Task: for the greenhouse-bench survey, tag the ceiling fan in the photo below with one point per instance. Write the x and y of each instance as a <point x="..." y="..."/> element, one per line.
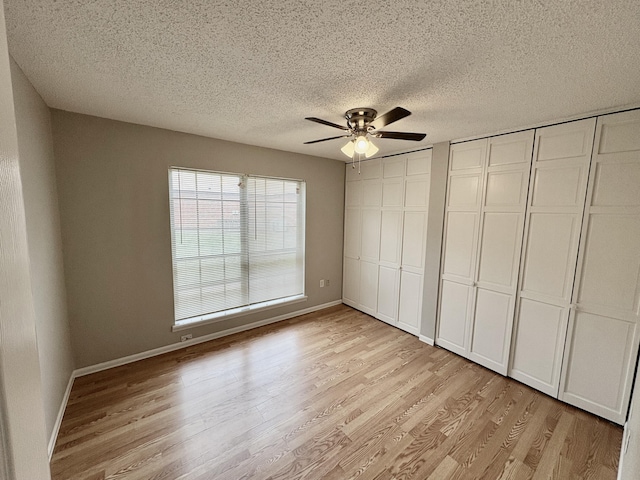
<point x="364" y="122"/>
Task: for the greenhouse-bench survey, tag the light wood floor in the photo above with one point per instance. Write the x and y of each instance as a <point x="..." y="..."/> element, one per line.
<point x="330" y="395"/>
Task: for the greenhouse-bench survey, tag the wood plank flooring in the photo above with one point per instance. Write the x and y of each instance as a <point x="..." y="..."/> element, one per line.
<point x="330" y="395"/>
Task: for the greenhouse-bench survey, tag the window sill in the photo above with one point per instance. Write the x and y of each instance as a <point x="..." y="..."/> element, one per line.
<point x="235" y="312"/>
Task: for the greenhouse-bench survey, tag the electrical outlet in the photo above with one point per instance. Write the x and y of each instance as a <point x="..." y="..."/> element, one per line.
<point x="326" y="283"/>
<point x="186" y="337"/>
<point x="321" y="283"/>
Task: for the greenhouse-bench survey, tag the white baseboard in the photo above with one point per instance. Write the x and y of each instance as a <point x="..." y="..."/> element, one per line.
<point x="427" y="340"/>
<point x="205" y="338"/>
<point x="63" y="406"/>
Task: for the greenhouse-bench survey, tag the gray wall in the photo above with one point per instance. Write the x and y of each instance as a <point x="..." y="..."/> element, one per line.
<point x="37" y="169"/>
<point x="23" y="442"/>
<point x="114" y="206"/>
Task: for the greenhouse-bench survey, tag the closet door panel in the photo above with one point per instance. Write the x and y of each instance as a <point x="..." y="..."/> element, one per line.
<point x="600" y="352"/>
<point x="390" y="236"/>
<point x="464" y="191"/>
<point x="410" y="302"/>
<point x="388" y="290"/>
<point x="353" y="194"/>
<point x="393" y="167"/>
<point x="352" y="232"/>
<point x="540" y="340"/>
<point x="416" y="193"/>
<point x="611" y="262"/>
<point x="617" y="185"/>
<point x="370" y="170"/>
<point x="368" y="287"/>
<point x="370" y="235"/>
<point x="569" y="140"/>
<point x="500" y="243"/>
<point x="371" y="193"/>
<point x="459" y="244"/>
<point x="491" y="333"/>
<point x="467" y="155"/>
<point x="392" y="194"/>
<point x="413" y="246"/>
<point x="548" y="262"/>
<point x="455" y="303"/>
<point x="559" y="186"/>
<point x="351" y="282"/>
<point x="506" y="188"/>
<point x="419" y="163"/>
<point x="510" y="149"/>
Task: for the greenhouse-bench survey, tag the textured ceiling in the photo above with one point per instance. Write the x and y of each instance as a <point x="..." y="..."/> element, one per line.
<point x="250" y="71"/>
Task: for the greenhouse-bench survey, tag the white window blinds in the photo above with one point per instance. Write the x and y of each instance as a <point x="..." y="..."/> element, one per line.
<point x="236" y="240"/>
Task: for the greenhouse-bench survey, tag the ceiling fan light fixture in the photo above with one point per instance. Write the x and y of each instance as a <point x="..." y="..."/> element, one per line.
<point x="349" y="149"/>
<point x="361" y="144"/>
<point x="371" y="151"/>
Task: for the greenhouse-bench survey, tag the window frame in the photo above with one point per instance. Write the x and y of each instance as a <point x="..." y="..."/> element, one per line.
<point x="248" y="308"/>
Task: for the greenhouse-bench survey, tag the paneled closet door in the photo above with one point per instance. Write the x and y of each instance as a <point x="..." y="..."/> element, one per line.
<point x="501" y="230"/>
<point x="390" y="239"/>
<point x="417" y="183"/>
<point x="557" y="189"/>
<point x="370" y="235"/>
<point x="351" y="264"/>
<point x="602" y="341"/>
<point x="464" y="193"/>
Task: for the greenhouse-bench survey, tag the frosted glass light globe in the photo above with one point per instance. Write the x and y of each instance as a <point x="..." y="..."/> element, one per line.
<point x="362" y="144"/>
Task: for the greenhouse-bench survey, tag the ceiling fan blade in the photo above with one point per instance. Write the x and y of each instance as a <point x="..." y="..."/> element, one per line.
<point x="390" y="117"/>
<point x="325" y="122"/>
<point x="325" y="139"/>
<point x="416" y="137"/>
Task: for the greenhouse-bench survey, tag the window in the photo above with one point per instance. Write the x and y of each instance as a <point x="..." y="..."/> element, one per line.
<point x="237" y="243"/>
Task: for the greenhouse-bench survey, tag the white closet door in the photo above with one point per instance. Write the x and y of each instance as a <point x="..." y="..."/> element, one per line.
<point x="363" y="200"/>
<point x="464" y="192"/>
<point x="368" y="287"/>
<point x="388" y="291"/>
<point x="351" y="263"/>
<point x="417" y="182"/>
<point x="351" y="282"/>
<point x="390" y="239"/>
<point x="501" y="230"/>
<point x="558" y="185"/>
<point x="370" y="235"/>
<point x="371" y="172"/>
<point x="410" y="302"/>
<point x="602" y="340"/>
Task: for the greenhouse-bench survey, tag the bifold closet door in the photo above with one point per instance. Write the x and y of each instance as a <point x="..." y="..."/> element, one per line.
<point x="417" y="183"/>
<point x="557" y="190"/>
<point x="390" y="239"/>
<point x="602" y="340"/>
<point x="500" y="241"/>
<point x="362" y="236"/>
<point x="351" y="265"/>
<point x="462" y="218"/>
<point x="483" y="239"/>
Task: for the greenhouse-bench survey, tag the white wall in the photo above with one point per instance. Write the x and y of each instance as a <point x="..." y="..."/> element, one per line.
<point x="114" y="207"/>
<point x="37" y="170"/>
<point x="20" y="394"/>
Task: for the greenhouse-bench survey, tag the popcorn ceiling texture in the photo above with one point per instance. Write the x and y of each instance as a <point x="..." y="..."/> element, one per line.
<point x="250" y="71"/>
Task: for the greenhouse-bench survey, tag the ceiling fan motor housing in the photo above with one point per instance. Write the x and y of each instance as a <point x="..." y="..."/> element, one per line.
<point x="358" y="119"/>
